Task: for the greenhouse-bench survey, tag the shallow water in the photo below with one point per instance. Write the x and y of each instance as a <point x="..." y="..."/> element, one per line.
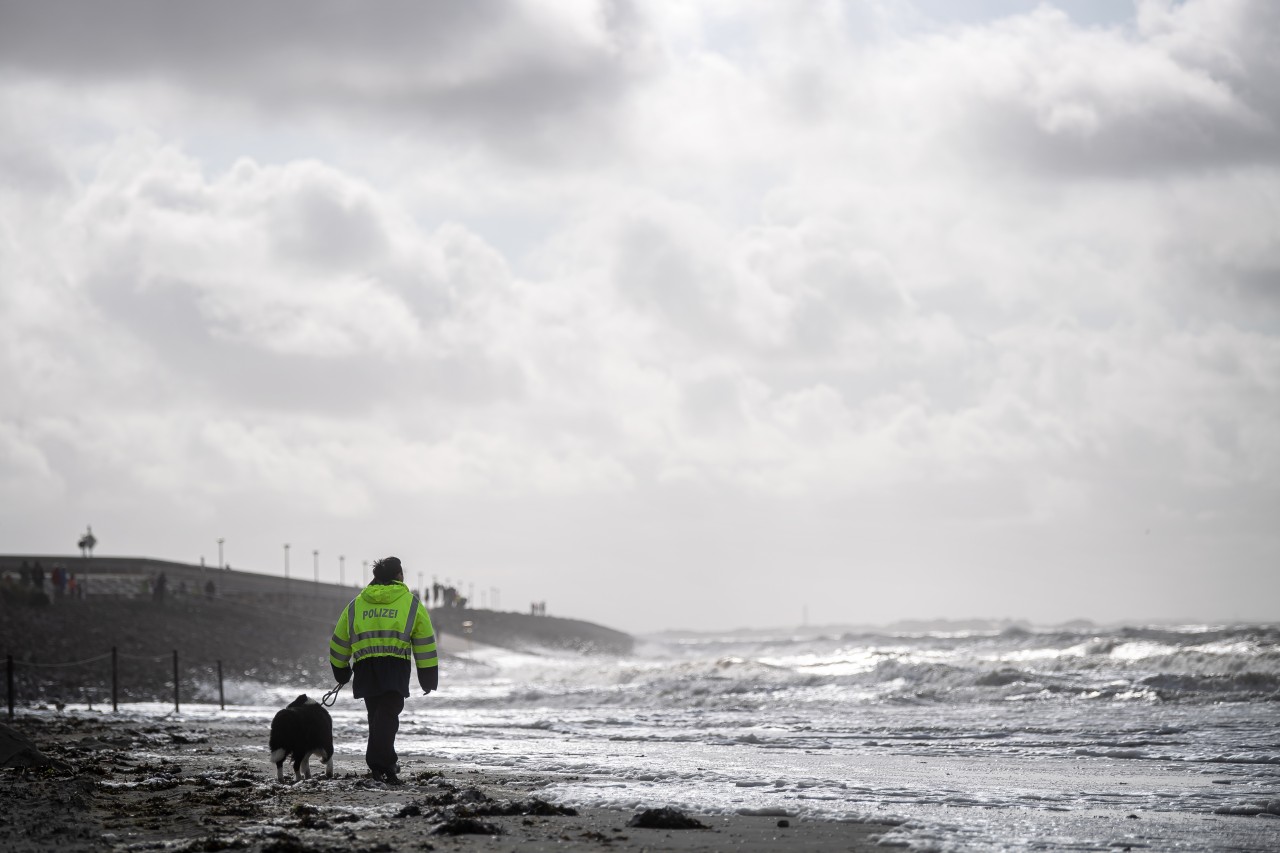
<point x="1018" y="741"/>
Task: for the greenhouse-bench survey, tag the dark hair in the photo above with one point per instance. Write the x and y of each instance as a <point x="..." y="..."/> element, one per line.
<point x="386" y="570"/>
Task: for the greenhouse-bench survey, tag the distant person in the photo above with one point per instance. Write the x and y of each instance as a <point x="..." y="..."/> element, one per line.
<point x="37" y="576"/>
<point x="24" y="573"/>
<point x="157" y="593"/>
<point x="383" y="634"/>
<point x="73" y="588"/>
<point x="209" y="589"/>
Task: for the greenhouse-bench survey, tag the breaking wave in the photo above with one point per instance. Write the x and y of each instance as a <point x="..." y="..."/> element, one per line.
<point x="1189" y="665"/>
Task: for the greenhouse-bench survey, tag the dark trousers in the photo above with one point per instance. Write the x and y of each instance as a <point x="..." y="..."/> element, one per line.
<point x="384" y="721"/>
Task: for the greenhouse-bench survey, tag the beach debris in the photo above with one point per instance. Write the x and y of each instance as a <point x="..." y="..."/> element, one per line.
<point x="1250" y="809"/>
<point x="509" y="808"/>
<point x="467" y="826"/>
<point x="17" y="750"/>
<point x="177" y="737"/>
<point x="472" y="802"/>
<point x="542" y="808"/>
<point x="665" y="818"/>
<point x="309" y="817"/>
<point x="783" y="824"/>
<point x="471" y="795"/>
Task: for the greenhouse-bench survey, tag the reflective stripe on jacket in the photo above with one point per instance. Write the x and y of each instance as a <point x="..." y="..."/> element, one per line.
<point x="384" y="620"/>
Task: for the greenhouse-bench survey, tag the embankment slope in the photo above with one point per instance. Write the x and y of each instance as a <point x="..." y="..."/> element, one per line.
<point x="62" y="650"/>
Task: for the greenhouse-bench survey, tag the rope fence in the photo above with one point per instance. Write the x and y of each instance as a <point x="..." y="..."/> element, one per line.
<point x="87" y="691"/>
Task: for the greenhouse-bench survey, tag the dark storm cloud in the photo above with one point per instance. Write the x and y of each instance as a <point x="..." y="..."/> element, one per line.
<point x="484" y="64"/>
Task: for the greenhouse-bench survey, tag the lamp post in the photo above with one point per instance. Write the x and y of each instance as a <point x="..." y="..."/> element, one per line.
<point x="315" y="556"/>
<point x="220" y="541"/>
<point x="286" y="563"/>
<point x="341" y="579"/>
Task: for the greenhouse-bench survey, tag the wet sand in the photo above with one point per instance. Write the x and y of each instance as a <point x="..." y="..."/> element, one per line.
<point x="176" y="786"/>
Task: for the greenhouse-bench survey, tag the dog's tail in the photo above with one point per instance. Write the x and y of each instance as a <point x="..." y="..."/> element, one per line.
<point x="278" y="756"/>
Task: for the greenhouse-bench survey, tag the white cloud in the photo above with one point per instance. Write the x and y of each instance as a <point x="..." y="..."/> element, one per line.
<point x="1013" y="279"/>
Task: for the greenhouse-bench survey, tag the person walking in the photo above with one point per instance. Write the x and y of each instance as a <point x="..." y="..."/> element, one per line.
<point x="383" y="634"/>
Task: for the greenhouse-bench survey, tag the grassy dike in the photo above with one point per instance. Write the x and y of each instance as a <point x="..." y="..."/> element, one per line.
<point x="265" y="632"/>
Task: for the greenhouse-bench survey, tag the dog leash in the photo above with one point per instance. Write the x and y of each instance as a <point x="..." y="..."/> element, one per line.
<point x="332" y="696"/>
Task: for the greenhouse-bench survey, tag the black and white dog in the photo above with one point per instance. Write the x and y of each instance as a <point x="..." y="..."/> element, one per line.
<point x="302" y="730"/>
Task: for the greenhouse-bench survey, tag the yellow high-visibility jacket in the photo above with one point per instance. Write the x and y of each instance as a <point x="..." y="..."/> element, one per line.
<point x="385" y="621"/>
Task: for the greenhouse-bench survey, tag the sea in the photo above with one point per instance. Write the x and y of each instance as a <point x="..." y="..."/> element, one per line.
<point x="1138" y="738"/>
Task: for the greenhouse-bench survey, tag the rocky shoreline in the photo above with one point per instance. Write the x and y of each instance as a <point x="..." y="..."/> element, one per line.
<point x="100" y="782"/>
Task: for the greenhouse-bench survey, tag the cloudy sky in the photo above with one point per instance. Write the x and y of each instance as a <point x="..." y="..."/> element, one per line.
<point x="689" y="314"/>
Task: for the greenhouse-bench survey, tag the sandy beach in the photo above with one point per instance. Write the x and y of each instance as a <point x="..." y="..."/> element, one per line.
<point x="116" y="785"/>
<point x="1146" y="737"/>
